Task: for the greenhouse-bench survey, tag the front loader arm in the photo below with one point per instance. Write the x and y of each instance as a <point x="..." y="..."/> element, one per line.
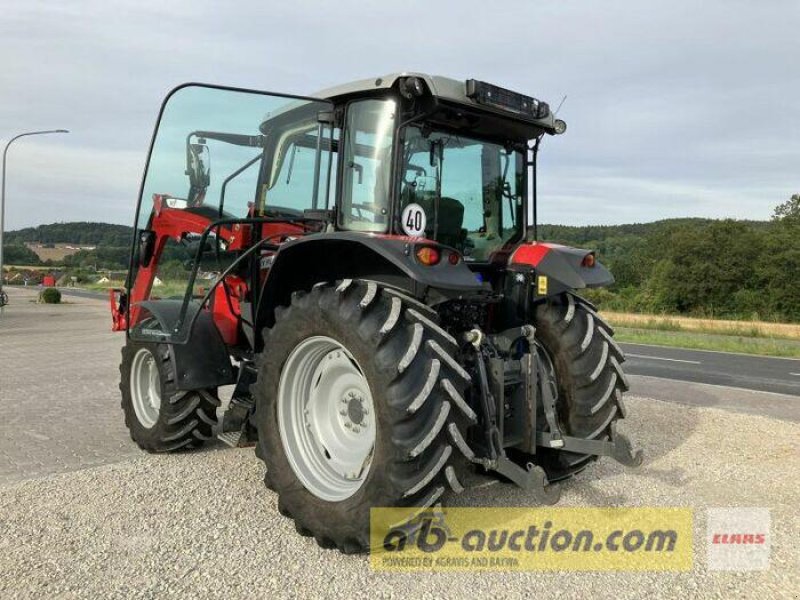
<point x="165" y="223"/>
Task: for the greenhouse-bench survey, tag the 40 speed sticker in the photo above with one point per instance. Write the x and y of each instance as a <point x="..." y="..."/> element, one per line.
<point x="532" y="539"/>
<point x="413" y="220"/>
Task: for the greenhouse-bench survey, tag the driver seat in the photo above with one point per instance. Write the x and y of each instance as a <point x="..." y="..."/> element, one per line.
<point x="451" y="220"/>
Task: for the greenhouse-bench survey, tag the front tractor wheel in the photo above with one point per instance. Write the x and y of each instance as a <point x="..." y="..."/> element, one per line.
<point x="359" y="404"/>
<point x="159" y="417"/>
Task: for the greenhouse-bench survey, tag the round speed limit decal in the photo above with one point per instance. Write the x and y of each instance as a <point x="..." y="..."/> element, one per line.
<point x="413" y="220"/>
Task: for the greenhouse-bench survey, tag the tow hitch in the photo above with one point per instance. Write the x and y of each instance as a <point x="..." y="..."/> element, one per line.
<point x="493" y="360"/>
<point x="618" y="447"/>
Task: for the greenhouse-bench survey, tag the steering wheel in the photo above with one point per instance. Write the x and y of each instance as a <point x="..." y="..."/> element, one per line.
<point x="368" y="207"/>
<point x="419" y="172"/>
<point x="282" y="211"/>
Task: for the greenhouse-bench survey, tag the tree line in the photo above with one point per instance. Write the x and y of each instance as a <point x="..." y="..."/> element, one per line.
<point x="701" y="267"/>
<point x="81" y="233"/>
<point x="112" y="244"/>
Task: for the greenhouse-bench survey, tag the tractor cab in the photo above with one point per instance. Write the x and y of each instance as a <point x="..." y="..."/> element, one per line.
<point x="234" y="174"/>
<point x="454" y="163"/>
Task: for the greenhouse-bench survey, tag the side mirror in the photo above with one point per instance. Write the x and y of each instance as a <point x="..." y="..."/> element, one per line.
<point x="359" y="169"/>
<point x="198" y="167"/>
<point x="147" y="245"/>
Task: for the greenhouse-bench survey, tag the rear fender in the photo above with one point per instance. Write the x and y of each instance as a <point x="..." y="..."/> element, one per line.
<point x="389" y="260"/>
<point x="563" y="267"/>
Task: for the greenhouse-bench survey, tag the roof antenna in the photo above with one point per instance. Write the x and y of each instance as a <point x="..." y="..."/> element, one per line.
<point x="560" y="104"/>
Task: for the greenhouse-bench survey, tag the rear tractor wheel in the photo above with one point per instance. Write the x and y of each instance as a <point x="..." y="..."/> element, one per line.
<point x="359" y="404"/>
<point x="583" y="361"/>
<point x="159" y="417"/>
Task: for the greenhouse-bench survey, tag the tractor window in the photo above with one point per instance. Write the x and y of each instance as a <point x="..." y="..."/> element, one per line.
<point x="211" y="159"/>
<point x="292" y="189"/>
<point x="471" y="191"/>
<point x="367" y="165"/>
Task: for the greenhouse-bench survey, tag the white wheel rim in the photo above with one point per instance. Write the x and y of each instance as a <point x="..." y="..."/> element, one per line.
<point x="326" y="418"/>
<point x="145" y="388"/>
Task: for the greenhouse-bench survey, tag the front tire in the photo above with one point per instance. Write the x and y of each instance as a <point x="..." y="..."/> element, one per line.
<point x="410" y="385"/>
<point x="158" y="416"/>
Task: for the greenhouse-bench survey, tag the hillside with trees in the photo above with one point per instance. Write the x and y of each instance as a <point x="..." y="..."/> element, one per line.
<point x="80" y="233"/>
<point x="700" y="267"/>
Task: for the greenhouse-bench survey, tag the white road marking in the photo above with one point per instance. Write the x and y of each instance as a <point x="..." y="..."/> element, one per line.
<point x="715" y="351"/>
<point x="795" y="374"/>
<point x="785" y="395"/>
<point x="691" y="362"/>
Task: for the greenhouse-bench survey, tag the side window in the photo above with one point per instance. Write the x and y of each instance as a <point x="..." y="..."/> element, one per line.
<point x="293" y="188"/>
<point x="511" y="208"/>
<point x="461" y="180"/>
<point x="479" y="208"/>
<point x="295" y="184"/>
<point x="367" y="165"/>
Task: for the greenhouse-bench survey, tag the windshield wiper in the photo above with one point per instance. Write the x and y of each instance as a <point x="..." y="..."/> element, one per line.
<point x="437" y="160"/>
<point x="505" y="188"/>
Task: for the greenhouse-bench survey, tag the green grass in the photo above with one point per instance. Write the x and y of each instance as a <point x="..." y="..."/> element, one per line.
<point x="168" y="289"/>
<point x="101" y="287"/>
<point x="763" y="346"/>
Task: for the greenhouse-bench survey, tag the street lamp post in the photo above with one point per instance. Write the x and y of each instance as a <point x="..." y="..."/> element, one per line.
<point x="3" y="191"/>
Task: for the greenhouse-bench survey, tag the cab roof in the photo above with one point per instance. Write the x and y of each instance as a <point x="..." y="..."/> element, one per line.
<point x="452" y="91"/>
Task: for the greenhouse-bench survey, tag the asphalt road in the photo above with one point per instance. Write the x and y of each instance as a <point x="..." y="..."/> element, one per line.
<point x="761" y="373"/>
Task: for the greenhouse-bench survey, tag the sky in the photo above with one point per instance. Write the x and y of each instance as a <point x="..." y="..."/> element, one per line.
<point x="674" y="108"/>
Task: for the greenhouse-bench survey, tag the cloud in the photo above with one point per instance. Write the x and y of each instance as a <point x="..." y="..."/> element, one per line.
<point x="674" y="108"/>
<point x="49" y="182"/>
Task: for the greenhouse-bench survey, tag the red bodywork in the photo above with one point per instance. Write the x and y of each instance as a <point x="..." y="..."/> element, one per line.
<point x="119" y="321"/>
<point x="531" y="254"/>
<point x="176" y="223"/>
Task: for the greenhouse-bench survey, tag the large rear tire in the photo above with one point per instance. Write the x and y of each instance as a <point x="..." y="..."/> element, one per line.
<point x="159" y="417"/>
<point x="590" y="381"/>
<point x="393" y="375"/>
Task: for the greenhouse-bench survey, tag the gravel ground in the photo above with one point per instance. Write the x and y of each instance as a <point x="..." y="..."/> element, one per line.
<point x="203" y="525"/>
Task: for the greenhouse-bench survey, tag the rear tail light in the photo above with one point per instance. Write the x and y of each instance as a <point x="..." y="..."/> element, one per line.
<point x="428" y="255"/>
<point x="588" y="260"/>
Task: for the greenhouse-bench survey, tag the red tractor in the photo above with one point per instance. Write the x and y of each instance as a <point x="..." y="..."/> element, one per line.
<point x="362" y="268"/>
